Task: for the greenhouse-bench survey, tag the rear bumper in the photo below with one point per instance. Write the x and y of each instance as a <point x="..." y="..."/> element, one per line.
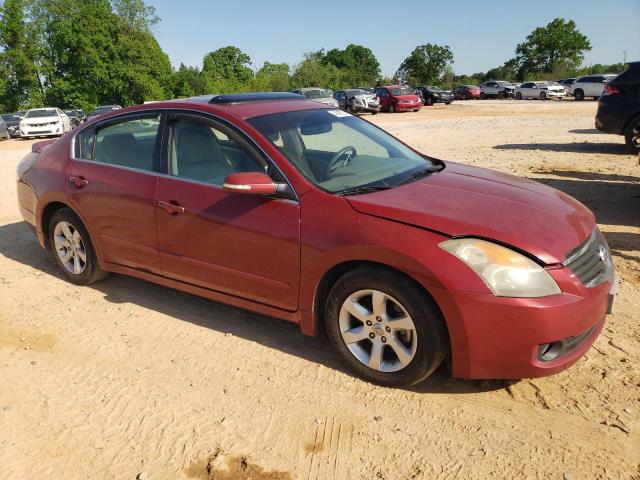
<point x="612" y="118"/>
<point x="498" y="337"/>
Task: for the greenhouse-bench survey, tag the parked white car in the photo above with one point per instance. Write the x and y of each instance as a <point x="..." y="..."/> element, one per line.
<point x="44" y="122"/>
<point x="541" y="90"/>
<point x="318" y="94"/>
<point x="589" y="86"/>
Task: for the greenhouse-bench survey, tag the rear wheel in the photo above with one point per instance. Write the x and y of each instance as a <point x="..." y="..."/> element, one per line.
<point x="578" y="94"/>
<point x="543" y="95"/>
<point x="632" y="134"/>
<point x="385" y="327"/>
<point x="518" y="96"/>
<point x="72" y="248"/>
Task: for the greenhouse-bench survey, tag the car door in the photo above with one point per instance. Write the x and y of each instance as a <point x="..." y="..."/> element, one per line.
<point x="241" y="245"/>
<point x="385" y="98"/>
<point x="112" y="182"/>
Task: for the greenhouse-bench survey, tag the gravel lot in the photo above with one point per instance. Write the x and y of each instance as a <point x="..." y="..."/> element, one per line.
<point x="126" y="377"/>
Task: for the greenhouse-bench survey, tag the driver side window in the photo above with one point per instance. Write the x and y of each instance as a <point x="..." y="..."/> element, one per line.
<point x="207" y="151"/>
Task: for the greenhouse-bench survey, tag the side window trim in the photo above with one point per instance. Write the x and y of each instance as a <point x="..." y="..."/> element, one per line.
<point x="95" y="128"/>
<point x="247" y="141"/>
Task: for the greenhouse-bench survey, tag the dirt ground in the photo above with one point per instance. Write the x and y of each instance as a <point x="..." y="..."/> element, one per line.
<point x="125" y="377"/>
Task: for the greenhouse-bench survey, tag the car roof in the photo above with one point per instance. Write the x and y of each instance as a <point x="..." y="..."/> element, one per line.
<point x="243" y="108"/>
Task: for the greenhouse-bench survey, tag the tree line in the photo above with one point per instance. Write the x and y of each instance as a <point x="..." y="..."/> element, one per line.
<point x="83" y="53"/>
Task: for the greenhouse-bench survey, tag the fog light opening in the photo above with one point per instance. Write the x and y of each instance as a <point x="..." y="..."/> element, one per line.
<point x="549" y="351"/>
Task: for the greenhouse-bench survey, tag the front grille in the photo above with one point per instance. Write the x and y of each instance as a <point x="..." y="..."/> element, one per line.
<point x="591" y="260"/>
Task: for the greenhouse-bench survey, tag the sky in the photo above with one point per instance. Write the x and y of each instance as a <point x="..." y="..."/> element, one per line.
<point x="481" y="34"/>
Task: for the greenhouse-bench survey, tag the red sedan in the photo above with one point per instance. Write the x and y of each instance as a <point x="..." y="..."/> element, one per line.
<point x="301" y="211"/>
<point x="466" y="92"/>
<point x="398" y="98"/>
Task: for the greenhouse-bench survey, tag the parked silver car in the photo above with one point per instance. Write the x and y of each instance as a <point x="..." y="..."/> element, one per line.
<point x="357" y="101"/>
<point x="317" y="94"/>
<point x="541" y="90"/>
<point x="496" y="89"/>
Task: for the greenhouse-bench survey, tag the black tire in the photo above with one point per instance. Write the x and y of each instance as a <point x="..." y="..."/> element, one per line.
<point x="428" y="101"/>
<point x="482" y="96"/>
<point x="447" y="103"/>
<point x="632" y="135"/>
<point x="464" y="96"/>
<point x="431" y="332"/>
<point x="578" y="95"/>
<point x="392" y="109"/>
<point x="500" y="96"/>
<point x="92" y="272"/>
<point x="543" y="95"/>
<point x="374" y="113"/>
<point x="518" y="96"/>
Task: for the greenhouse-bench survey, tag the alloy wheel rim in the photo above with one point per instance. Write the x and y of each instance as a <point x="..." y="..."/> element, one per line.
<point x="70" y="247"/>
<point x="378" y="330"/>
<point x="635" y="137"/>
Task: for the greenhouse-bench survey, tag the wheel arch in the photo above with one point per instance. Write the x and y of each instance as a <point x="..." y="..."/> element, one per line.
<point x="333" y="274"/>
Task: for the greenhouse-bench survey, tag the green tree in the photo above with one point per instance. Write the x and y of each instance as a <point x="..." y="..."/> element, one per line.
<point x="425" y="65"/>
<point x="226" y="70"/>
<point x="313" y="71"/>
<point x="358" y="65"/>
<point x="555" y="48"/>
<point x="22" y="82"/>
<point x="273" y="77"/>
<point x="187" y="82"/>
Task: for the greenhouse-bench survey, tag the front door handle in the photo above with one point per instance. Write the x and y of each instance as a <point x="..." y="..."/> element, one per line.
<point x="170" y="207"/>
<point x="79" y="182"/>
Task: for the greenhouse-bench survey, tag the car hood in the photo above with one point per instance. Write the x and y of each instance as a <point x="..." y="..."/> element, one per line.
<point x="468" y="201"/>
<point x="39" y="120"/>
<point x="413" y="98"/>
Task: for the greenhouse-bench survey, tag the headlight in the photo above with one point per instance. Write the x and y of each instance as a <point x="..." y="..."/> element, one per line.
<point x="506" y="272"/>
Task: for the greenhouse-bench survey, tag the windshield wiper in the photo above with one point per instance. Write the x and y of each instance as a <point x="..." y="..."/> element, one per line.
<point x="416" y="175"/>
<point x="362" y="189"/>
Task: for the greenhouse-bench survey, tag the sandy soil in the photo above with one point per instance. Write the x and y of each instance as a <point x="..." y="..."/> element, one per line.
<point x="126" y="377"/>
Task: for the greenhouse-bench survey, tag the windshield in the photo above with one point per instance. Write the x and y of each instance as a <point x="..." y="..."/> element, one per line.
<point x="9" y="117"/>
<point x="313" y="94"/>
<point x="49" y="112"/>
<point x="402" y="91"/>
<point x="338" y="152"/>
<point x="434" y="89"/>
<point x="504" y="84"/>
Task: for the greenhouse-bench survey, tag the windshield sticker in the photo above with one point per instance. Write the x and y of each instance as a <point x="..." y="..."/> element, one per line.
<point x="339" y="113"/>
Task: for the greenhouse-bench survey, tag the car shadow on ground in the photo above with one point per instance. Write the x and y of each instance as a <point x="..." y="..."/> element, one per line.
<point x="614" y="199"/>
<point x="18" y="243"/>
<point x="576" y="147"/>
<point x="587" y="131"/>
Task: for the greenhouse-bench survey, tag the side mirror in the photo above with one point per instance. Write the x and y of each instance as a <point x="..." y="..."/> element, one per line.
<point x="250" y="183"/>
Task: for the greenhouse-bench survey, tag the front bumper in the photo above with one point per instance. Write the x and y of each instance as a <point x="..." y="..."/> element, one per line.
<point x="443" y="99"/>
<point x="407" y="107"/>
<point x="556" y="94"/>
<point x="370" y="107"/>
<point x="501" y="337"/>
<point x="44" y="131"/>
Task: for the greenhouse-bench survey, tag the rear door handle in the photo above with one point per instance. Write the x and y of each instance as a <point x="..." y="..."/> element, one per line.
<point x="171" y="208"/>
<point x="79" y="182"/>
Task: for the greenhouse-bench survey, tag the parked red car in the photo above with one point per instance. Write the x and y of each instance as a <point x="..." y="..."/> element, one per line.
<point x="466" y="92"/>
<point x="304" y="212"/>
<point x="398" y="98"/>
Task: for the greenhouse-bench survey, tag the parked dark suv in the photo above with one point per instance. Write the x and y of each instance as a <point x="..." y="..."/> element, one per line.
<point x="619" y="106"/>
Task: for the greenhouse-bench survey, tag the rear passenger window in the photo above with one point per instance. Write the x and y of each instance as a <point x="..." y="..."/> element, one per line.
<point x="129" y="143"/>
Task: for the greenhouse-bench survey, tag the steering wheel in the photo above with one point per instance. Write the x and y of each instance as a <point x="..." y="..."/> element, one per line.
<point x="335" y="161"/>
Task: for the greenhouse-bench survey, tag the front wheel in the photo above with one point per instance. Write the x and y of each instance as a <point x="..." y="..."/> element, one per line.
<point x="482" y="96"/>
<point x="72" y="248"/>
<point x="543" y="95"/>
<point x="428" y="101"/>
<point x="518" y="96"/>
<point x="578" y="95"/>
<point x="385" y="327"/>
<point x="632" y="134"/>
